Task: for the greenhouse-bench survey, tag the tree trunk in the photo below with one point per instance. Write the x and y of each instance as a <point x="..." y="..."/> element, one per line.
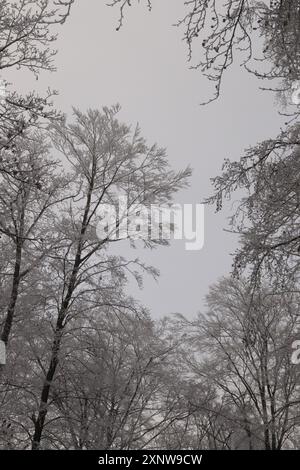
<point x="43" y="407"/>
<point x="13" y="296"/>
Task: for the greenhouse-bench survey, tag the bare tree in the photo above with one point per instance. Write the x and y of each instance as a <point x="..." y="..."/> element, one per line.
<point x="27" y="199"/>
<point x="267" y="216"/>
<point x="27" y="33"/>
<point x="107" y="158"/>
<point x="111" y="380"/>
<point x="248" y="358"/>
<point x="224" y="31"/>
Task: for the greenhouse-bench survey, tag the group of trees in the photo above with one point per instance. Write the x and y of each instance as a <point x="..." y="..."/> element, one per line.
<point x="87" y="367"/>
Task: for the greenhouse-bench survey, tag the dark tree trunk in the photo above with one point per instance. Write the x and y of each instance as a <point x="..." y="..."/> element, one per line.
<point x="13" y="296"/>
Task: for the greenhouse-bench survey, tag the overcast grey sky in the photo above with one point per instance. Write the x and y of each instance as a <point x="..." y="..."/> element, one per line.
<point x="143" y="67"/>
